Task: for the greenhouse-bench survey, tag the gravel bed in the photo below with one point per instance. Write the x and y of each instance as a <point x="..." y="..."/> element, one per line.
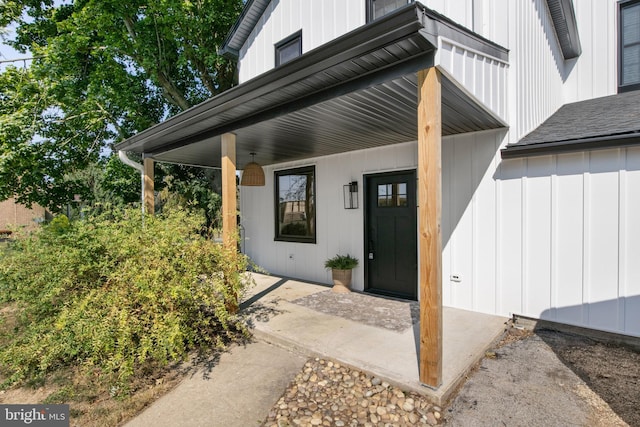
<point x="326" y="393"/>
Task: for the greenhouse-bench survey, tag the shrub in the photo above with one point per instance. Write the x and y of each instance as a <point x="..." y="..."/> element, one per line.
<point x="111" y="296"/>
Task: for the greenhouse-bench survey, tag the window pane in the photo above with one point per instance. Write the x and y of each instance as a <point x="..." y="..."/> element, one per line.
<point x="382" y="7"/>
<point x="631" y="65"/>
<point x="631" y="24"/>
<point x="630" y="73"/>
<point x="390" y="195"/>
<point x="289" y="49"/>
<point x="289" y="52"/>
<point x="296" y="205"/>
<point x="401" y="199"/>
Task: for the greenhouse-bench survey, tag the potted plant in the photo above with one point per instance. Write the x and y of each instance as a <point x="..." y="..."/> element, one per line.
<point x="341" y="266"/>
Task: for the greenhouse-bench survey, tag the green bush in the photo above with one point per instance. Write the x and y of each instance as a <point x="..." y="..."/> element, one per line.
<point x="341" y="262"/>
<point x="111" y="296"/>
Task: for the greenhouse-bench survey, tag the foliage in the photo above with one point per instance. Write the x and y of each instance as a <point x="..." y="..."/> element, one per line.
<point x="59" y="225"/>
<point x="112" y="297"/>
<point x="341" y="262"/>
<point x="37" y="149"/>
<point x="104" y="70"/>
<point x="196" y="189"/>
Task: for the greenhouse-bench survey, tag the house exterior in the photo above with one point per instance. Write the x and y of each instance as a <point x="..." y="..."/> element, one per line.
<point x="492" y="148"/>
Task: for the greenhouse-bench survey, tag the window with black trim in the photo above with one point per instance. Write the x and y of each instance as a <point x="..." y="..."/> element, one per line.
<point x="378" y="8"/>
<point x="289" y="48"/>
<point x="629" y="40"/>
<point x="295" y="201"/>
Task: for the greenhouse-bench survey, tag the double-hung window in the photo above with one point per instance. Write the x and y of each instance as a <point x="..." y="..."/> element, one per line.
<point x="629" y="56"/>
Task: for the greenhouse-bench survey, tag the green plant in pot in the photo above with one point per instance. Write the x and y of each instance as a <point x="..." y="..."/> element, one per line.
<point x="341" y="266"/>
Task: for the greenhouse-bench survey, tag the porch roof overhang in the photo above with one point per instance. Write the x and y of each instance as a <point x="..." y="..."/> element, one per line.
<point x="358" y="91"/>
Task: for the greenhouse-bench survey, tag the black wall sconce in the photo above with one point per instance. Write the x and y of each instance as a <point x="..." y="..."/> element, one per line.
<point x="351" y="195"/>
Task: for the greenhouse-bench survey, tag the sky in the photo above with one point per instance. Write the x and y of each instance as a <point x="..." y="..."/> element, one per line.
<point x="8" y="53"/>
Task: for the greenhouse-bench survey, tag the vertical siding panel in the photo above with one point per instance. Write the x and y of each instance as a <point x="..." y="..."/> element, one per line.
<point x="462" y="249"/>
<point x="340" y="20"/>
<point x="315" y="30"/>
<point x="587" y="56"/>
<point x="603" y="231"/>
<point x="631" y="243"/>
<point x="600" y="45"/>
<point x="295" y="22"/>
<point x="537" y="242"/>
<point x="469" y="73"/>
<point x="510" y="225"/>
<point x="484" y="227"/>
<point x="568" y="238"/>
<point x="622" y="239"/>
<point x="457" y="63"/>
<point x="447" y="226"/>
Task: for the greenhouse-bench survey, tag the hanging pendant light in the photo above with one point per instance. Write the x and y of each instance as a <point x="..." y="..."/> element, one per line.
<point x="252" y="175"/>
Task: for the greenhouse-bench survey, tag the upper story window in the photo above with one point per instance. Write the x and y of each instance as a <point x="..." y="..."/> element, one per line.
<point x="629" y="60"/>
<point x="296" y="205"/>
<point x="378" y="8"/>
<point x="289" y="48"/>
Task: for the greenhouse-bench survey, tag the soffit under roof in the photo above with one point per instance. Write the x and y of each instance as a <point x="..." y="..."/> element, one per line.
<point x="564" y="22"/>
<point x="358" y="91"/>
<point x="249" y="17"/>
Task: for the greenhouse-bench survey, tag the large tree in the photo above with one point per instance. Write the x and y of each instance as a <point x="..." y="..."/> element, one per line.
<point x="104" y="70"/>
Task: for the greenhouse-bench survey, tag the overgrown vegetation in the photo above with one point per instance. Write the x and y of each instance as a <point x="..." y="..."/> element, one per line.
<point x="111" y="298"/>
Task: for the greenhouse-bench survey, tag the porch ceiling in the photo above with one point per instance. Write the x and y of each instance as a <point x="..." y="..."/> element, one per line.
<point x="356" y="92"/>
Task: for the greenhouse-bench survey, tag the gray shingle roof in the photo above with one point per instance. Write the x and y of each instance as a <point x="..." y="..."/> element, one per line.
<point x="614" y="118"/>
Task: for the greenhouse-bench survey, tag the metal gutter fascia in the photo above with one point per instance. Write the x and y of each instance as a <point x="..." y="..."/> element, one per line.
<point x="559" y="147"/>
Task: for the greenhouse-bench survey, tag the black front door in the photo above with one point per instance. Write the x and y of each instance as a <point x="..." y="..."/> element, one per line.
<point x="391" y="244"/>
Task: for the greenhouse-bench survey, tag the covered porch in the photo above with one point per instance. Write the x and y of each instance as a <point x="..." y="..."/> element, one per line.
<point x="412" y="75"/>
<point x="312" y="320"/>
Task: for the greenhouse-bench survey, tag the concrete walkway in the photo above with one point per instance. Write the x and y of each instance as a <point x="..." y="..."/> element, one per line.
<point x="238" y="391"/>
<point x="390" y="355"/>
<point x="241" y="388"/>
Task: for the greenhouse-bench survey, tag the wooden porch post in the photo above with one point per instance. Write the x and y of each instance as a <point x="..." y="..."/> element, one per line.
<point x="229" y="204"/>
<point x="430" y="212"/>
<point x="149" y="196"/>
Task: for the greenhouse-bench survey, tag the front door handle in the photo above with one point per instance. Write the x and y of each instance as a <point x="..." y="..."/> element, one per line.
<point x="371" y="255"/>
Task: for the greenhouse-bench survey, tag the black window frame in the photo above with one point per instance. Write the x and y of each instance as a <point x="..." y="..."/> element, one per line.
<point x="305" y="170"/>
<point x="369" y="9"/>
<point x="632" y="86"/>
<point x="286" y="42"/>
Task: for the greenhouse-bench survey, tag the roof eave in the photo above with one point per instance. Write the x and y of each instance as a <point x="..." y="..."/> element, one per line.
<point x="232" y="45"/>
<point x="515" y="151"/>
<point x="566" y="27"/>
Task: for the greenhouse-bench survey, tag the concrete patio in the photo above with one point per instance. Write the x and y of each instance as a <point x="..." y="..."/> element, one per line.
<point x="276" y="314"/>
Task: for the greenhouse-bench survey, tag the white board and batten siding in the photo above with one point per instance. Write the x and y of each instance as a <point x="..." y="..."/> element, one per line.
<point x="569" y="238"/>
<point x="338" y="230"/>
<point x="320" y="22"/>
<point x="479" y="75"/>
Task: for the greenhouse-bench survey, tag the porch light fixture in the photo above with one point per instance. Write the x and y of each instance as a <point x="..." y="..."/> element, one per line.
<point x="252" y="175"/>
<point x="350" y="192"/>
